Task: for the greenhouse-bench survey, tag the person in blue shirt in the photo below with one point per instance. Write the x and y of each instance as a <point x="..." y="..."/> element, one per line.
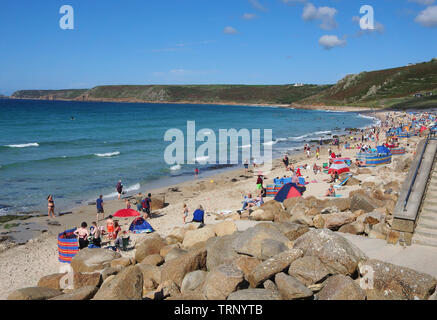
<point x="99" y="205"/>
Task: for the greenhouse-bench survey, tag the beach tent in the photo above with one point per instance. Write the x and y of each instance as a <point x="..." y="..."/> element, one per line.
<point x="67" y="245"/>
<point x="198" y="215"/>
<point x="139" y="225"/>
<point x="125" y="213"/>
<point x="338" y="167"/>
<point x="290" y="190"/>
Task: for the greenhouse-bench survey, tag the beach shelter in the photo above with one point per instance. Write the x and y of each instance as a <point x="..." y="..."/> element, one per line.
<point x="140" y="225"/>
<point x="290" y="190"/>
<point x="67" y="245"/>
<point x="338" y="167"/>
<point x="125" y="213"/>
<point x="198" y="215"/>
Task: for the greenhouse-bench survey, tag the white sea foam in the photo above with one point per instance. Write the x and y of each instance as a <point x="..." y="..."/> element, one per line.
<point x="134" y="187"/>
<point x="24" y="145"/>
<point x="270" y="143"/>
<point x="175" y="167"/>
<point x="109" y="154"/>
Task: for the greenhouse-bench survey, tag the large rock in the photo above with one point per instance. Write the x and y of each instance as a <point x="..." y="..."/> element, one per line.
<point x="341" y="287"/>
<point x="356" y="227"/>
<point x="220" y="251"/>
<point x="150" y="272"/>
<point x="291" y="288"/>
<point x="178" y="233"/>
<point x="89" y="260"/>
<point x="84" y="293"/>
<point x="127" y="285"/>
<point x="122" y="262"/>
<point x="360" y="200"/>
<point x="34" y="293"/>
<point x="262" y="215"/>
<point x="386" y="281"/>
<point x="176" y="269"/>
<point x="193" y="281"/>
<point x="225" y="228"/>
<point x="195" y="236"/>
<point x="270" y="210"/>
<point x="272" y="266"/>
<point x="147" y="247"/>
<point x="175" y="253"/>
<point x="153" y="259"/>
<point x="335" y="252"/>
<point x="308" y="270"/>
<point x="246" y="264"/>
<point x="270" y="248"/>
<point x="250" y="242"/>
<point x="51" y="281"/>
<point x="87" y="279"/>
<point x="334" y="221"/>
<point x="255" y="294"/>
<point x="292" y="230"/>
<point x="222" y="281"/>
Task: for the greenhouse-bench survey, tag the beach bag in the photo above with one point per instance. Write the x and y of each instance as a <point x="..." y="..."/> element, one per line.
<point x="198" y="215"/>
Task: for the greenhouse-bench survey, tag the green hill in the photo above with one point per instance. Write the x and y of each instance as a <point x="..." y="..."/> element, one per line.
<point x="383" y="88"/>
<point x="67" y="94"/>
<point x="257" y="94"/>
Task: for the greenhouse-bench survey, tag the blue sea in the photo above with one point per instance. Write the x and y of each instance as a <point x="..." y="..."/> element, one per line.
<point x="78" y="150"/>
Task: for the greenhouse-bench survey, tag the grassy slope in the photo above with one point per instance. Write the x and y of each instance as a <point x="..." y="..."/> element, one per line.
<point x="383" y="88"/>
<point x="279" y="94"/>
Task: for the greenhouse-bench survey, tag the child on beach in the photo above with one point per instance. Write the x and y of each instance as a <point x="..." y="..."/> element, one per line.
<point x="51" y="206"/>
<point x="82" y="233"/>
<point x="185" y="212"/>
<point x="127" y="204"/>
<point x="95" y="235"/>
<point x="330" y="192"/>
<point x="110" y="227"/>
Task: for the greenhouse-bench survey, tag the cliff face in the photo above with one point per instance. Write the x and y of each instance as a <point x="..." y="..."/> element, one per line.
<point x="68" y="94"/>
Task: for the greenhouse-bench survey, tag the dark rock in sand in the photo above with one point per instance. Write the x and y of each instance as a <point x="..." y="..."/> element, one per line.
<point x="34" y="293"/>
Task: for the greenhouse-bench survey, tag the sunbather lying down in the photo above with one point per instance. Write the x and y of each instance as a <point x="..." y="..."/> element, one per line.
<point x="249" y="202"/>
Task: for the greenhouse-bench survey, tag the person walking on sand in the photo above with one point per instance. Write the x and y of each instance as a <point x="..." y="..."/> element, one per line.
<point x="185" y="212"/>
<point x="139" y="199"/>
<point x="147" y="203"/>
<point x="51" y="206"/>
<point x="99" y="206"/>
<point x="286" y="162"/>
<point x="196" y="173"/>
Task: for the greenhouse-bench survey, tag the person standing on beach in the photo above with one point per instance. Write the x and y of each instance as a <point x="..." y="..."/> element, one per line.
<point x="147" y="203"/>
<point x="51" y="206"/>
<point x="196" y="173"/>
<point x="119" y="188"/>
<point x="286" y="162"/>
<point x="99" y="205"/>
<point x="139" y="199"/>
<point x="83" y="234"/>
<point x="185" y="213"/>
<point x="246" y="165"/>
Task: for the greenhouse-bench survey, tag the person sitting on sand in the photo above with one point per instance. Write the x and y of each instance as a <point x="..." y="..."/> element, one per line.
<point x="119" y="241"/>
<point x="99" y="206"/>
<point x="51" y="206"/>
<point x="127" y="204"/>
<point x="110" y="227"/>
<point x="117" y="229"/>
<point x="295" y="179"/>
<point x="316" y="169"/>
<point x="248" y="201"/>
<point x="330" y="192"/>
<point x="334" y="177"/>
<point x="82" y="233"/>
<point x="185" y="215"/>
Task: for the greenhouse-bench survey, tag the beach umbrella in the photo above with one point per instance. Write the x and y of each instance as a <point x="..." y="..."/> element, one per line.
<point x="125" y="213"/>
<point x="290" y="190"/>
<point x="338" y="167"/>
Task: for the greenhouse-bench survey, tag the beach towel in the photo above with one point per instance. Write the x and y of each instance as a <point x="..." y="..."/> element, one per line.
<point x="343" y="182"/>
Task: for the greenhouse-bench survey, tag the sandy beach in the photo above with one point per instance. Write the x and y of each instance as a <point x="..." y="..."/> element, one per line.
<point x="23" y="265"/>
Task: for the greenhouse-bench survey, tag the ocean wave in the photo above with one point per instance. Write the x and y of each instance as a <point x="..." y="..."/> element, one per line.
<point x="270" y="143"/>
<point x="108" y="154"/>
<point x="24" y="145"/>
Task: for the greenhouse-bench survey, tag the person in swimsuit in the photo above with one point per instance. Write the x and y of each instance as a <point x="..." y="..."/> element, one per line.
<point x="51" y="206"/>
<point x="117" y="229"/>
<point x="82" y="233"/>
<point x="119" y="188"/>
<point x="95" y="235"/>
<point x="185" y="212"/>
<point x="110" y="227"/>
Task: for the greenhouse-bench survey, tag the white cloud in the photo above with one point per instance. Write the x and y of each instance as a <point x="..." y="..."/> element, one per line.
<point x="331" y="41"/>
<point x="293" y="2"/>
<point x="423" y="2"/>
<point x="325" y="14"/>
<point x="257" y="5"/>
<point x="249" y="16"/>
<point x="230" y="30"/>
<point x="428" y="17"/>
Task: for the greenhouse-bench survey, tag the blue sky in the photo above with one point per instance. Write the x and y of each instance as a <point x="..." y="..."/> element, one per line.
<point x="207" y="41"/>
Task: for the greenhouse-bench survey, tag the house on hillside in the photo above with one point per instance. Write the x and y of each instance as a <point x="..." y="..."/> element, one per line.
<point x="298" y="85"/>
<point x="418" y="95"/>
